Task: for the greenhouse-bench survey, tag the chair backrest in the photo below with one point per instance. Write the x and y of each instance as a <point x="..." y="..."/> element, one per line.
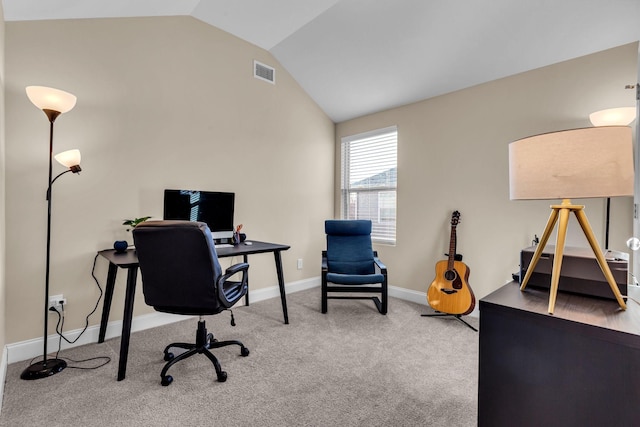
<point x="349" y="249"/>
<point x="179" y="266"/>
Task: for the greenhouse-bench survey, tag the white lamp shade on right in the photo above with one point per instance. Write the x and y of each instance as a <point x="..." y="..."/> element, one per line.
<point x="572" y="164"/>
<point x="69" y="158"/>
<point x="47" y="98"/>
<point x="622" y="116"/>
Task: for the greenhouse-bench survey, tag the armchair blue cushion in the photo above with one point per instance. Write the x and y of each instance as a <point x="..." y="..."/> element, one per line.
<point x="351" y="264"/>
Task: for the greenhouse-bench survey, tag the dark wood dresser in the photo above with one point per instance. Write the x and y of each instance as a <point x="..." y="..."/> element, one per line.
<point x="577" y="367"/>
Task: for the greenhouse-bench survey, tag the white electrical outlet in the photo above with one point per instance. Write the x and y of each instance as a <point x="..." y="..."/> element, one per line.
<point x="56" y="301"/>
<point x="300" y="264"/>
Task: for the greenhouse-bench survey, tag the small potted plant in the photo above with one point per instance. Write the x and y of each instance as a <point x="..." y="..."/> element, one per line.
<point x="133" y="222"/>
<point x="121" y="245"/>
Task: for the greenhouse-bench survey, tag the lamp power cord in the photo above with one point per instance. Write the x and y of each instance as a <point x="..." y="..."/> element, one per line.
<point x="60" y="327"/>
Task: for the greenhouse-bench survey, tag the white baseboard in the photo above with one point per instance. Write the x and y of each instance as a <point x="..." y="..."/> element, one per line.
<point x="29" y="349"/>
<point x="24" y="350"/>
<point x="419" y="298"/>
<point x="3" y="374"/>
<point x="274" y="291"/>
<point x="408" y="295"/>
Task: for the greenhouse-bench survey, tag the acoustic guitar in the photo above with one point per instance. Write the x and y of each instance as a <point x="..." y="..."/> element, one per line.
<point x="450" y="291"/>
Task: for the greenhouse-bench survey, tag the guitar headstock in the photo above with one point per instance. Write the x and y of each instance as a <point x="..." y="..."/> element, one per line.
<point x="455" y="218"/>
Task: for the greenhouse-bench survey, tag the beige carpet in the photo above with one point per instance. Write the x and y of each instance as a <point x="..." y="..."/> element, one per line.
<point x="350" y="367"/>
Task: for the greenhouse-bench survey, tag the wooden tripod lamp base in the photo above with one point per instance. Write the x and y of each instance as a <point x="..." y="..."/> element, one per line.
<point x="562" y="212"/>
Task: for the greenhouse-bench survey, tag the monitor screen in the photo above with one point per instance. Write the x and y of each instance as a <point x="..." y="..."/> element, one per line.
<point x="212" y="207"/>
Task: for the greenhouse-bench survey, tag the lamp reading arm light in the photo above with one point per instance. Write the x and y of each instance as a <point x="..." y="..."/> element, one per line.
<point x="70" y="159"/>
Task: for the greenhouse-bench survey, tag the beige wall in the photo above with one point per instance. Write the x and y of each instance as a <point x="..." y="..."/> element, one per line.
<point x="452" y="155"/>
<point x="2" y="186"/>
<point x="171" y="102"/>
<point x="162" y="103"/>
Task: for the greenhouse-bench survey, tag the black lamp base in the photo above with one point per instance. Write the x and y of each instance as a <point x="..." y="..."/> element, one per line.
<point x="43" y="369"/>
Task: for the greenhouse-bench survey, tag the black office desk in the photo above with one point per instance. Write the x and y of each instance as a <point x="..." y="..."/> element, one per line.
<point x="129" y="261"/>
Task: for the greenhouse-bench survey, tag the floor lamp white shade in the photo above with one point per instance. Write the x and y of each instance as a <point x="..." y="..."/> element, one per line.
<point x="622" y="116"/>
<point x="69" y="158"/>
<point x="47" y="98"/>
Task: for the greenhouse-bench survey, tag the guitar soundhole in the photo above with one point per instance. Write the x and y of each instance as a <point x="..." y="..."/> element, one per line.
<point x="450" y="275"/>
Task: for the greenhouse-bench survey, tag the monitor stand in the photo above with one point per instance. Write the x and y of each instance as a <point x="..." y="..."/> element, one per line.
<point x="223" y="243"/>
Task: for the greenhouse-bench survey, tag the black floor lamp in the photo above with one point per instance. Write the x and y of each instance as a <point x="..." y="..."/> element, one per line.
<point x="621" y="116"/>
<point x="52" y="102"/>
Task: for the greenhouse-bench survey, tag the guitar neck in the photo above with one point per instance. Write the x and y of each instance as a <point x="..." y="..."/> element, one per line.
<point x="452" y="248"/>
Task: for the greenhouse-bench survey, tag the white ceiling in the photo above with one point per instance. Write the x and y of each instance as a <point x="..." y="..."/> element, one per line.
<point x="356" y="57"/>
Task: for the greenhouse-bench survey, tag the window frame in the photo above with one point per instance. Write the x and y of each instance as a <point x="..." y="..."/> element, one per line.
<point x="384" y="230"/>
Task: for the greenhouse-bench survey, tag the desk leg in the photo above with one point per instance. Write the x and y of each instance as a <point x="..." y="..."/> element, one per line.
<point x="283" y="295"/>
<point x="108" y="296"/>
<point x="132" y="276"/>
<point x="246" y="296"/>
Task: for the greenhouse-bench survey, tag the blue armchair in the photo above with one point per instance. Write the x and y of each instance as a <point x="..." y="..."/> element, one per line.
<point x="350" y="265"/>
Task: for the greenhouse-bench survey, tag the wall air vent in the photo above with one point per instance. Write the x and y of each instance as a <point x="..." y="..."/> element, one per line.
<point x="264" y="72"/>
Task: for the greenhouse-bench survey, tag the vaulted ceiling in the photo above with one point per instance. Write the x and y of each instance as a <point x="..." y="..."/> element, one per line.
<point x="356" y="57"/>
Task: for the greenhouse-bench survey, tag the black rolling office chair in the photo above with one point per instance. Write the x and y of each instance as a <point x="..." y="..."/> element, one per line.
<point x="351" y="265"/>
<point x="181" y="275"/>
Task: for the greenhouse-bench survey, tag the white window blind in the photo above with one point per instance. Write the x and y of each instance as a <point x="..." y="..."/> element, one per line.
<point x="369" y="180"/>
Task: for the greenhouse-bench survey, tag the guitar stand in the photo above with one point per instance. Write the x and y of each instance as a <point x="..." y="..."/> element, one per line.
<point x="457" y="316"/>
<point x="456" y="257"/>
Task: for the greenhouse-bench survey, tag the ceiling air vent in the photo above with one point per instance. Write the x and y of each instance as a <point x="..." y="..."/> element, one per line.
<point x="264" y="72"/>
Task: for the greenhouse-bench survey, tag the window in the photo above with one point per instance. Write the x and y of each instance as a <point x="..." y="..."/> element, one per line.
<point x="369" y="181"/>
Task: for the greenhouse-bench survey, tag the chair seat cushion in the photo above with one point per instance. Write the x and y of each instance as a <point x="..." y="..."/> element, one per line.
<point x="189" y="311"/>
<point x="349" y="279"/>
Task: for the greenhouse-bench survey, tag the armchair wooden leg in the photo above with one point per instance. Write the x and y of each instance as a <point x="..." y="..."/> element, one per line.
<point x="324" y="297"/>
<point x="385" y="297"/>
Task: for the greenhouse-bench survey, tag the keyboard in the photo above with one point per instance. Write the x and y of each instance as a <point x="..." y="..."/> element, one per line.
<point x="223" y="245"/>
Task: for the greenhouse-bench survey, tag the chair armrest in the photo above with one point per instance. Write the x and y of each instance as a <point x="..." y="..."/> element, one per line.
<point x="235" y="269"/>
<point x="325" y="264"/>
<point x="243" y="268"/>
<point x="379" y="265"/>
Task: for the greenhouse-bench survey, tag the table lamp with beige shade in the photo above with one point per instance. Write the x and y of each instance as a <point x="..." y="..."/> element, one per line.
<point x="572" y="164"/>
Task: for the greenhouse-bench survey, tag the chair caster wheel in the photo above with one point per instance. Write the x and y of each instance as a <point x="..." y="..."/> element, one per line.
<point x="168" y="357"/>
<point x="166" y="380"/>
<point x="244" y="351"/>
<point x="222" y="376"/>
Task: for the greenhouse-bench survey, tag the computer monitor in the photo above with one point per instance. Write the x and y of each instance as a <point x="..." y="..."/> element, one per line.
<point x="212" y="207"/>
